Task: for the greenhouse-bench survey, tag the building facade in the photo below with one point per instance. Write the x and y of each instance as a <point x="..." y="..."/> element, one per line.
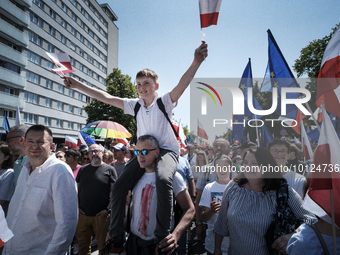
<point x="84" y="29"/>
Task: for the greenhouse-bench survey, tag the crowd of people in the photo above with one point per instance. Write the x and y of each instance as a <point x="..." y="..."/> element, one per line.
<point x="143" y="199"/>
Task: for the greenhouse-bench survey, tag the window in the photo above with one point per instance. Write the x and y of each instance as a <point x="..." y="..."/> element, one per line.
<point x="82" y="11"/>
<point x="35" y="19"/>
<point x="78" y="126"/>
<point x="30" y="118"/>
<point x="90" y="59"/>
<point x="74" y="17"/>
<point x="60" y="106"/>
<point x="80" y="97"/>
<point x="48" y="84"/>
<point x="89" y="45"/>
<point x="33" y="58"/>
<point x="60" y="88"/>
<point x="97" y="64"/>
<point x="102" y="80"/>
<point x="97" y="26"/>
<point x="73" y="46"/>
<point x="49" y="64"/>
<point x="80" y="111"/>
<point x="73" y="31"/>
<point x="74" y="2"/>
<point x="52" y="14"/>
<point x="63" y="39"/>
<point x="59" y="123"/>
<point x="50" y="48"/>
<point x="39" y="3"/>
<point x="32" y="77"/>
<point x="48" y="102"/>
<point x="47" y="121"/>
<point x="97" y="51"/>
<point x="82" y="25"/>
<point x="80" y="67"/>
<point x="91" y="33"/>
<point x="71" y="92"/>
<point x="63" y="23"/>
<point x="63" y="7"/>
<point x="9" y="91"/>
<point x="81" y="38"/>
<point x="90" y="19"/>
<point x="72" y="61"/>
<point x="104" y="69"/>
<point x="10" y="66"/>
<point x="96" y="76"/>
<point x="69" y="125"/>
<point x="51" y="30"/>
<point x="31" y="98"/>
<point x="34" y="38"/>
<point x="70" y="108"/>
<point x="89" y="72"/>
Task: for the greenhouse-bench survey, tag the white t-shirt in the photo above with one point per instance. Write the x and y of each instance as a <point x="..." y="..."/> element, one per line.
<point x="211" y="191"/>
<point x="296" y="181"/>
<point x="144" y="204"/>
<point x="151" y="121"/>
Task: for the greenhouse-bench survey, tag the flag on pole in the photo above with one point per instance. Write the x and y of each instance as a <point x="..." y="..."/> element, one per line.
<point x="179" y="129"/>
<point x="85" y="139"/>
<point x="71" y="142"/>
<point x="123" y="141"/>
<point x="328" y="160"/>
<point x="306" y="148"/>
<point x="317" y="115"/>
<point x="209" y="10"/>
<point x="62" y="60"/>
<point x="278" y="74"/>
<point x="266" y="137"/>
<point x="190" y="139"/>
<point x="245" y="83"/>
<point x="17" y="117"/>
<point x="328" y="89"/>
<point x="200" y="130"/>
<point x="5" y="233"/>
<point x="5" y="123"/>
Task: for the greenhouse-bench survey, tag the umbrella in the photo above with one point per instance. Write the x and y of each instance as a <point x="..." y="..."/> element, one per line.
<point x="106" y="129"/>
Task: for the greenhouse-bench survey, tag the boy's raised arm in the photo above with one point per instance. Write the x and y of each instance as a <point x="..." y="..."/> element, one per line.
<point x="100" y="95"/>
<point x="200" y="54"/>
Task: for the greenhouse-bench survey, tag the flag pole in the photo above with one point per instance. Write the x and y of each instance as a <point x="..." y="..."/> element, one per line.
<point x="257" y="133"/>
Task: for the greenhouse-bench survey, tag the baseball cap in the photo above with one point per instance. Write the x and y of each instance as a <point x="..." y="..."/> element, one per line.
<point x="119" y="147"/>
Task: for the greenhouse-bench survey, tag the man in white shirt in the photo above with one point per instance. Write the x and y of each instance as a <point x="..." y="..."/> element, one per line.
<point x="43" y="212"/>
<point x="144" y="204"/>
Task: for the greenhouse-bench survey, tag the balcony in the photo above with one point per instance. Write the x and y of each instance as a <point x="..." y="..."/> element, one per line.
<point x="27" y="3"/>
<point x="16" y="14"/>
<point x="12" y="55"/>
<point x="13" y="79"/>
<point x="13" y="34"/>
<point x="8" y="101"/>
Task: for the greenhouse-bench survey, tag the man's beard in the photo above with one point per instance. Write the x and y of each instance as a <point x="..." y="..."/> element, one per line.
<point x="95" y="161"/>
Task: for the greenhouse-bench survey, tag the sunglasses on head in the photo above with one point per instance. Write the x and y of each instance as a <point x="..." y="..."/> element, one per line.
<point x="143" y="152"/>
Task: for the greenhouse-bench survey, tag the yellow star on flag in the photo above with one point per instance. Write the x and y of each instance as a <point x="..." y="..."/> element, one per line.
<point x="246" y="118"/>
<point x="275" y="84"/>
<point x="334" y="118"/>
<point x="272" y="74"/>
<point x="243" y="86"/>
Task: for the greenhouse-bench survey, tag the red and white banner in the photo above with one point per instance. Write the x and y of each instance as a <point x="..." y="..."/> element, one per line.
<point x="71" y="142"/>
<point x="307" y="149"/>
<point x="317" y="115"/>
<point x="328" y="89"/>
<point x="5" y="232"/>
<point x="62" y="60"/>
<point x="326" y="175"/>
<point x="123" y="141"/>
<point x="200" y="130"/>
<point x="209" y="10"/>
<point x="179" y="129"/>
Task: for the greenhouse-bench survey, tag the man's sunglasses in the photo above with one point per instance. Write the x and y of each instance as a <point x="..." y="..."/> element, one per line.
<point x="143" y="152"/>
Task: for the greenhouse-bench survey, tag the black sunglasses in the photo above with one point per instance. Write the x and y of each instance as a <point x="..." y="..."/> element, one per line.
<point x="143" y="152"/>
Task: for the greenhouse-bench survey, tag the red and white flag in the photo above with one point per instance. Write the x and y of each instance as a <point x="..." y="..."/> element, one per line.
<point x="209" y="10"/>
<point x="200" y="130"/>
<point x="5" y="232"/>
<point x="307" y="149"/>
<point x="328" y="89"/>
<point x="179" y="129"/>
<point x="62" y="60"/>
<point x="317" y="115"/>
<point x="71" y="142"/>
<point x="326" y="175"/>
<point x="123" y="141"/>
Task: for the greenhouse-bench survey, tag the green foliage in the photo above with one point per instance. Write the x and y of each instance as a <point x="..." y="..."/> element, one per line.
<point x="118" y="85"/>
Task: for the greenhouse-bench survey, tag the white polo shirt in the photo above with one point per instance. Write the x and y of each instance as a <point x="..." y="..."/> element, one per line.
<point x="151" y="121"/>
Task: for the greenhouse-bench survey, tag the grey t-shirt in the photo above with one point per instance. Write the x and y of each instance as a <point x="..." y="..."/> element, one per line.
<point x="119" y="168"/>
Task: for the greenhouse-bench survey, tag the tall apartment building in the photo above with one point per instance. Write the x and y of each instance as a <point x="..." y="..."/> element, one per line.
<point x="84" y="29"/>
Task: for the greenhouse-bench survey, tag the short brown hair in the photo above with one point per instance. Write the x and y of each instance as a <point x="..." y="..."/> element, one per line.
<point x="147" y="73"/>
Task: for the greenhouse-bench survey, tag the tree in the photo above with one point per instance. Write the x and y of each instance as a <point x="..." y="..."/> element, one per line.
<point x="118" y="85"/>
<point x="310" y="60"/>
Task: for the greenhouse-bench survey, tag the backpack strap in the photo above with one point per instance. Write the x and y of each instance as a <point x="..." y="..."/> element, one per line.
<point x="322" y="241"/>
<point x="136" y="109"/>
<point x="162" y="108"/>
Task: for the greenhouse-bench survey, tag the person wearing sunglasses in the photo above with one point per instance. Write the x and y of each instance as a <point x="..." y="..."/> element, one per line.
<point x="144" y="204"/>
<point x="95" y="182"/>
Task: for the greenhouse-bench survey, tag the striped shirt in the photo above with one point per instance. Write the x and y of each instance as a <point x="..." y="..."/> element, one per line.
<point x="245" y="216"/>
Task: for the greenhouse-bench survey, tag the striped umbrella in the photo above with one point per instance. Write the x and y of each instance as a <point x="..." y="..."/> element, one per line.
<point x="106" y="129"/>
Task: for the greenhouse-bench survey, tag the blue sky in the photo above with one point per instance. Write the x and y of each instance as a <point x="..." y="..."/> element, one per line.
<point x="162" y="35"/>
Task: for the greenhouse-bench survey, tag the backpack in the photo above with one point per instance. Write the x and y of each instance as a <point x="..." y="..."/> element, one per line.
<point x="162" y="108"/>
